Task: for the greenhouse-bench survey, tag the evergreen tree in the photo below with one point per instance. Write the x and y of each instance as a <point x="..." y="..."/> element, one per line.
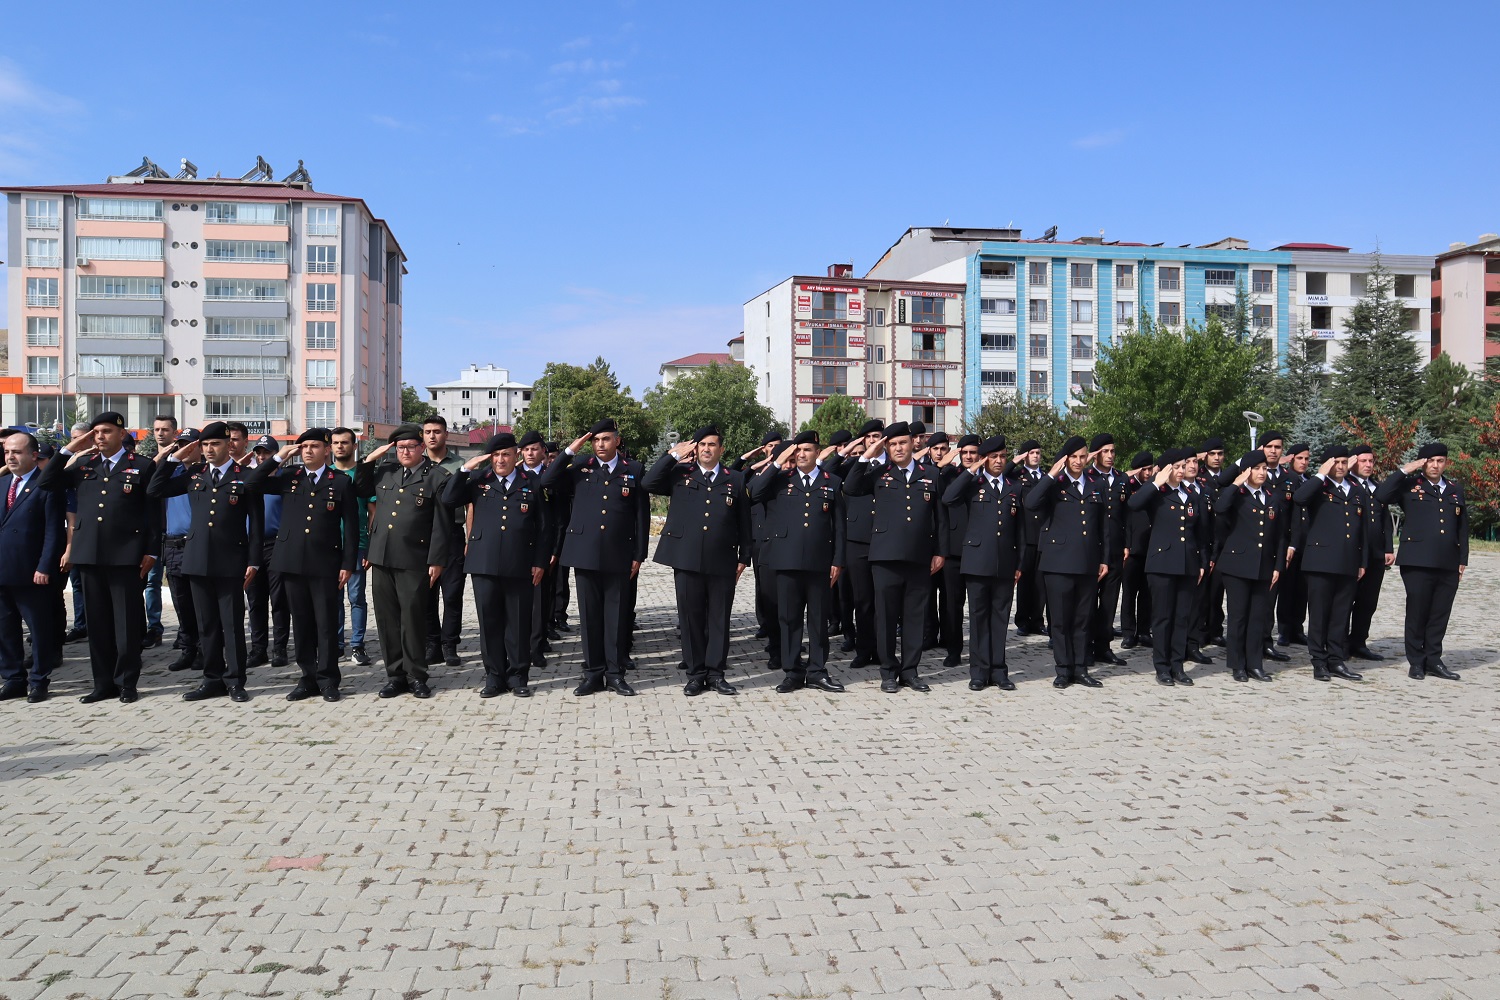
<point x="723" y="396"/>
<point x="1314" y="424"/>
<point x="1023" y="417"/>
<point x="1379" y="369"/>
<point x="1298" y="382"/>
<point x="1450" y="396"/>
<point x="837" y="413"/>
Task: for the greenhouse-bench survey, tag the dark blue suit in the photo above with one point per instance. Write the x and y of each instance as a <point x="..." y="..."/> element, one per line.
<point x="32" y="533"/>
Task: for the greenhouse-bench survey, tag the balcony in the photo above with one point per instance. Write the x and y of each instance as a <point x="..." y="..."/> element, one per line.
<point x="1125" y="284"/>
<point x="322" y="229"/>
<point x="322" y="267"/>
<point x="274" y="386"/>
<point x="121" y="307"/>
<point x="121" y="383"/>
<point x="1169" y="319"/>
<point x="245" y="298"/>
<point x="121" y="296"/>
<point x="42" y="222"/>
<point x="1083" y="353"/>
<point x="39" y="260"/>
<point x="44" y="301"/>
<point x="1218" y="282"/>
<point x="1170" y="284"/>
<point x="115" y="343"/>
<point x="322" y="306"/>
<point x="927" y="355"/>
<point x="41" y="378"/>
<point x="1260" y="287"/>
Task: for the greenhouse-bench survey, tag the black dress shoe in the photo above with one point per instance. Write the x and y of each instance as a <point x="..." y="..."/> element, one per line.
<point x="589" y="687"/>
<point x="847" y="645"/>
<point x="332" y="694"/>
<point x="151" y="640"/>
<point x="627" y="664"/>
<point x="761" y="633"/>
<point x="1320" y="674"/>
<point x="395" y="688"/>
<point x="1182" y="680"/>
<point x="1259" y="674"/>
<point x="1144" y="638"/>
<point x="74" y="634"/>
<point x="890" y="687"/>
<point x="521" y="691"/>
<point x="238" y="693"/>
<point x="620" y="687"/>
<point x="186" y="660"/>
<point x="1339" y="670"/>
<point x="1196" y="656"/>
<point x="724" y="687"/>
<point x="1272" y="653"/>
<point x="562" y="625"/>
<point x="129" y="696"/>
<point x="921" y="686"/>
<point x="1444" y="673"/>
<point x="787" y="686"/>
<point x="861" y="660"/>
<point x="434" y="655"/>
<point x="279" y="660"/>
<point x="1088" y="680"/>
<point x="977" y="685"/>
<point x="1365" y="653"/>
<point x="256" y="658"/>
<point x="952" y="660"/>
<point x="419" y="689"/>
<point x="98" y="695"/>
<point x="1215" y="640"/>
<point x="492" y="689"/>
<point x="694" y="688"/>
<point x="36" y="693"/>
<point x="1005" y="684"/>
<point x="1061" y="682"/>
<point x="1416" y="673"/>
<point x="300" y="693"/>
<point x="1116" y="633"/>
<point x="544" y="646"/>
<point x="553" y="635"/>
<point x="825" y="683"/>
<point x="451" y="657"/>
<point x="1109" y="657"/>
<point x="1129" y="643"/>
<point x="204" y="691"/>
<point x="10" y="691"/>
<point x="360" y="656"/>
<point x="1165" y="681"/>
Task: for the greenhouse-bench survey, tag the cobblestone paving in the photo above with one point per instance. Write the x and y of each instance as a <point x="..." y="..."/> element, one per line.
<point x="1231" y="840"/>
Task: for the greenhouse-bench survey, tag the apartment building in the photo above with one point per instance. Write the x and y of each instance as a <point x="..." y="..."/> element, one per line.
<point x="481" y="395"/>
<point x="896" y="348"/>
<point x="245" y="299"/>
<point x="1466" y="301"/>
<point x="1327" y="280"/>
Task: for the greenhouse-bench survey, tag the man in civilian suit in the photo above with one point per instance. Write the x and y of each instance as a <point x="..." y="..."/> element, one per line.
<point x="32" y="535"/>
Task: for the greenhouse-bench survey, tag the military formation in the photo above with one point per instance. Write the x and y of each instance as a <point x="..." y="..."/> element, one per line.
<point x="881" y="537"/>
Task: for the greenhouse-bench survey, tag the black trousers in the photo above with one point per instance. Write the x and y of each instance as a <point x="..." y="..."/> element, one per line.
<point x="628" y="596"/>
<point x="1329" y="596"/>
<point x="704" y="603"/>
<point x="316" y="601"/>
<point x="445" y="623"/>
<point x="931" y="625"/>
<point x="219" y="603"/>
<point x="951" y="610"/>
<point x="1107" y="599"/>
<point x="265" y="592"/>
<point x="601" y="622"/>
<point x="862" y="593"/>
<point x="1291" y="599"/>
<point x="765" y="611"/>
<point x="400" y="598"/>
<point x="36" y="605"/>
<point x="560" y="596"/>
<point x="1245" y="623"/>
<point x="834" y="606"/>
<point x="1366" y="599"/>
<point x="1031" y="593"/>
<point x="506" y="606"/>
<point x="543" y="597"/>
<point x="1429" y="602"/>
<point x="989" y="620"/>
<point x="1135" y="598"/>
<point x="115" y="603"/>
<point x="1197" y="635"/>
<point x="1071" y="600"/>
<point x="1172" y="598"/>
<point x="846" y="604"/>
<point x="901" y="594"/>
<point x="1213" y="613"/>
<point x="802" y="595"/>
<point x="182" y="595"/>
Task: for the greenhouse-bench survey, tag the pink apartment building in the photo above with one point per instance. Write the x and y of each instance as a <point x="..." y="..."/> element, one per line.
<point x="239" y="299"/>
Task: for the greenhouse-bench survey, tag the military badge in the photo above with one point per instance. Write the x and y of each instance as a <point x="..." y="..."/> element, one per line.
<point x="624" y="491"/>
<point x="128" y="485"/>
<point x="729" y="500"/>
<point x="525" y="507"/>
<point x="1190" y="511"/>
<point x="1271" y="514"/>
<point x="825" y="506"/>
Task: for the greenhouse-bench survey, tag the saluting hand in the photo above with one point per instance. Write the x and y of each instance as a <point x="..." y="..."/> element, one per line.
<point x="475" y="462"/>
<point x="1414" y="466"/>
<point x="1326" y="467"/>
<point x="1240" y="479"/>
<point x="577" y="446"/>
<point x="823" y="455"/>
<point x="682" y="450"/>
<point x="80" y="441"/>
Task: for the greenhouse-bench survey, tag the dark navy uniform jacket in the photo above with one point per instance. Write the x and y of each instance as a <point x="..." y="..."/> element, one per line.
<point x="609" y="526"/>
<point x="1435" y="530"/>
<point x="908" y="517"/>
<point x="1072" y="538"/>
<point x="805" y="526"/>
<point x="118" y="522"/>
<point x="226" y="534"/>
<point x="1250" y="538"/>
<point x="1332" y="534"/>
<point x="512" y="531"/>
<point x="994" y="534"/>
<point x="1181" y="541"/>
<point x="319" y="530"/>
<point x="33" y="533"/>
<point x="708" y="527"/>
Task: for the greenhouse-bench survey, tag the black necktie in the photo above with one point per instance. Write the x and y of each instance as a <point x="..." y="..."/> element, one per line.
<point x="806" y="481"/>
<point x="216" y="477"/>
<point x="1257" y="497"/>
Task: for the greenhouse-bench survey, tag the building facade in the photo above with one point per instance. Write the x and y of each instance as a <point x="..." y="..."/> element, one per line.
<point x="671" y="371"/>
<point x="252" y="300"/>
<point x="478" y="396"/>
<point x="896" y="348"/>
<point x="1466" y="302"/>
<point x="1327" y="281"/>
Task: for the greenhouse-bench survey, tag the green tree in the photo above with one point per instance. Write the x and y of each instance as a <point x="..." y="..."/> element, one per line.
<point x="1379" y="369"/>
<point x="838" y="413"/>
<point x="1450" y="396"/>
<point x="1020" y="418"/>
<point x="1298" y="382"/>
<point x="1156" y="388"/>
<point x="568" y="399"/>
<point x="414" y="409"/>
<point x="720" y="395"/>
<point x="1314" y="424"/>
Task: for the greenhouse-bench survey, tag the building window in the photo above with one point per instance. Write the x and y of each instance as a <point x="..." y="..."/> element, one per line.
<point x="322" y="298"/>
<point x="322" y="259"/>
<point x="1124" y="313"/>
<point x="927" y="381"/>
<point x="245" y="251"/>
<point x="830" y="305"/>
<point x="322" y="374"/>
<point x="1002" y="269"/>
<point x="928" y="311"/>
<point x="119" y="209"/>
<point x="997" y="307"/>
<point x="42" y="213"/>
<point x="997" y="341"/>
<point x="263" y="214"/>
<point x="1406" y="286"/>
<point x="119" y="366"/>
<point x="828" y="380"/>
<point x="1081" y="380"/>
<point x="118" y="248"/>
<point x="322" y="221"/>
<point x="1083" y="311"/>
<point x="1037" y="345"/>
<point x="96" y="287"/>
<point x="41" y="331"/>
<point x="877" y="317"/>
<point x="1316" y="283"/>
<point x="927" y="346"/>
<point x="829" y="342"/>
<point x="463" y="394"/>
<point x="252" y="406"/>
<point x="492" y="411"/>
<point x="880" y="354"/>
<point x="41" y="370"/>
<point x="244" y="329"/>
<point x="43" y="411"/>
<point x="998" y="380"/>
<point x="1219" y="278"/>
<point x="1082" y="275"/>
<point x="1083" y="348"/>
<point x="1036" y="273"/>
<point x="243" y="366"/>
<point x="1036" y="311"/>
<point x="1224" y="312"/>
<point x="879" y="390"/>
<point x="1169" y="313"/>
<point x="321" y="336"/>
<point x="123" y="327"/>
<point x="43" y="253"/>
<point x="1260" y="281"/>
<point x="1169" y="279"/>
<point x="1263" y="317"/>
<point x="322" y="412"/>
<point x="1125" y="276"/>
<point x="1036" y="383"/>
<point x="244" y="289"/>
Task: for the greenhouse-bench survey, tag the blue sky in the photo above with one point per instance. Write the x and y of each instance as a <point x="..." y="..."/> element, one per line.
<point x="618" y="178"/>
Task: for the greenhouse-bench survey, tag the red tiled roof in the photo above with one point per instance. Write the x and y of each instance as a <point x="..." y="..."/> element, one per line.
<point x="702" y="360"/>
<point x="1310" y="246"/>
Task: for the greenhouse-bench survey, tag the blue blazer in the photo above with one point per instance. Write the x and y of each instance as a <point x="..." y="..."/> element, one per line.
<point x="32" y="533"/>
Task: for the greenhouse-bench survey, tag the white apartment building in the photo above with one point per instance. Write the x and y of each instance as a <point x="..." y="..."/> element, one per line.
<point x="1327" y="280"/>
<point x="481" y="395"/>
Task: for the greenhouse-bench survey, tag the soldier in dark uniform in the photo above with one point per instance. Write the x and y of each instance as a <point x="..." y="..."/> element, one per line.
<point x="951" y="468"/>
<point x="1176" y="560"/>
<point x="765" y="581"/>
<point x="1291" y="598"/>
<point x="510" y="545"/>
<point x="706" y="540"/>
<point x="859" y="514"/>
<point x="804" y="548"/>
<point x="1135" y="595"/>
<point x="1030" y="592"/>
<point x="33" y="531"/>
<point x="221" y="553"/>
<point x="1278" y="481"/>
<point x="1434" y="553"/>
<point x="410" y="537"/>
<point x="1073" y="540"/>
<point x="605" y="543"/>
<point x="1209" y="631"/>
<point x="533" y="461"/>
<point x="1367" y="591"/>
<point x="317" y="549"/>
<point x="114" y="544"/>
<point x="1250" y="549"/>
<point x="1108" y="592"/>
<point x="1335" y="549"/>
<point x="839" y="607"/>
<point x="989" y="507"/>
<point x="907" y="522"/>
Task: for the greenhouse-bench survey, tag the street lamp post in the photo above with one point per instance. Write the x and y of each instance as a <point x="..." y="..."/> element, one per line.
<point x="1253" y="418"/>
<point x="265" y="405"/>
<point x="104" y="378"/>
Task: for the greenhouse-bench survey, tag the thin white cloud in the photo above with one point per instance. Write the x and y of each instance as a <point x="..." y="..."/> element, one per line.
<point x="573" y="45"/>
<point x="19" y="93"/>
<point x="33" y="118"/>
<point x="1099" y="140"/>
<point x="386" y="121"/>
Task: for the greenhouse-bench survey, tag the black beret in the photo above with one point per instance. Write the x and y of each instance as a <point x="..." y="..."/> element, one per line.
<point x="1213" y="444"/>
<point x="1432" y="449"/>
<point x="1072" y="444"/>
<point x="1251" y="459"/>
<point x="109" y="417"/>
<point x="530" y="437"/>
<point x="970" y="439"/>
<point x="1298" y="449"/>
<point x="265" y="441"/>
<point x="712" y="431"/>
<point x="187" y="435"/>
<point x="1030" y="444"/>
<point x="553" y="447"/>
<point x="1100" y="440"/>
<point x="324" y="435"/>
<point x="1169" y="456"/>
<point x="937" y="437"/>
<point x="873" y="426"/>
<point x="1334" y="451"/>
<point x="896" y="430"/>
<point x="840" y="437"/>
<point x="917" y="427"/>
<point x="46" y="451"/>
<point x="216" y="431"/>
<point x="1270" y="436"/>
<point x="771" y="437"/>
<point x="992" y="445"/>
<point x="501" y="441"/>
<point x="806" y="437"/>
<point x="1359" y="450"/>
<point x="605" y="426"/>
<point x="1142" y="460"/>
